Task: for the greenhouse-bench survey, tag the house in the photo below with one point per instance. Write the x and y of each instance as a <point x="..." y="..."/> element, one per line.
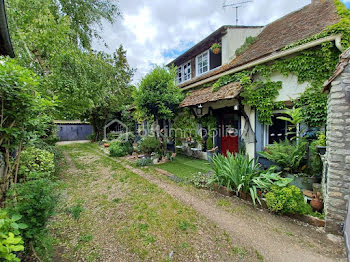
<point x="337" y="159"/>
<point x="238" y="124"/>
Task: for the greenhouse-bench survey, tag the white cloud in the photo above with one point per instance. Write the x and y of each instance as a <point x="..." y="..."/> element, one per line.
<point x="150" y="28"/>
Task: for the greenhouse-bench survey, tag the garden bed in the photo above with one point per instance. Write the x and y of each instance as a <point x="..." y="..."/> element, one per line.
<point x="311" y="220"/>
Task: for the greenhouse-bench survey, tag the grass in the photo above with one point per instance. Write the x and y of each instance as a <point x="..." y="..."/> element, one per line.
<point x="185" y="167"/>
<point x="122" y="215"/>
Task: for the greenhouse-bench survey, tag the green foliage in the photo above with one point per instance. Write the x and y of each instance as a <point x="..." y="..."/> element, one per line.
<point x="34" y="160"/>
<point x="34" y="200"/>
<point x="76" y="210"/>
<point x="321" y="139"/>
<point x="128" y="137"/>
<point x="201" y="180"/>
<point x="150" y="144"/>
<point x="10" y="240"/>
<point x="157" y="96"/>
<point x="269" y="178"/>
<point x="242" y="77"/>
<point x="295" y="118"/>
<point x="146" y="161"/>
<point x="53" y="149"/>
<point x="261" y="95"/>
<point x="247" y="43"/>
<point x="233" y="171"/>
<point x="119" y="149"/>
<point x="214" y="46"/>
<point x="287" y="200"/>
<point x="314" y="105"/>
<point x="288" y="155"/>
<point x="185" y="126"/>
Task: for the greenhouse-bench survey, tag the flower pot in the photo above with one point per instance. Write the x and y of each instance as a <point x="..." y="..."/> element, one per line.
<point x="321" y="150"/>
<point x="106" y="145"/>
<point x="216" y="51"/>
<point x="316" y="204"/>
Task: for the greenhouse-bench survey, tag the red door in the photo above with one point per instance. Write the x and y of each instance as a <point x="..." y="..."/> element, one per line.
<point x="229" y="133"/>
<point x="229" y="144"/>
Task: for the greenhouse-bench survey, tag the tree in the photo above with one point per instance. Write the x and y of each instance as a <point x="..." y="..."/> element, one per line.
<point x="113" y="81"/>
<point x="21" y="105"/>
<point x="157" y="96"/>
<point x="53" y="38"/>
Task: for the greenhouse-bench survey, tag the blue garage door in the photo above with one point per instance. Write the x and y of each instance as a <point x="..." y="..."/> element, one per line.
<point x="74" y="132"/>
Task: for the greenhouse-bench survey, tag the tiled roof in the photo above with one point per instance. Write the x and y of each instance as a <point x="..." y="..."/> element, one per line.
<point x="205" y="95"/>
<point x="296" y="26"/>
<point x="343" y="62"/>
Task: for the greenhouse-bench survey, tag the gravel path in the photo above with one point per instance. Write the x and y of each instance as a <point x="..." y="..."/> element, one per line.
<point x="272" y="245"/>
<point x="275" y="238"/>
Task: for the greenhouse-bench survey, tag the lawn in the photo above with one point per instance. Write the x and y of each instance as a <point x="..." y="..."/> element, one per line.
<point x="185" y="167"/>
<point x="108" y="213"/>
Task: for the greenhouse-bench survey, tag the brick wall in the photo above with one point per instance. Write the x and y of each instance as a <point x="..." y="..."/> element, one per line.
<point x="337" y="175"/>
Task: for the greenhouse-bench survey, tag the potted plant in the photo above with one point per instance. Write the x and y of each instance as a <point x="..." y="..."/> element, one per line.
<point x="321" y="143"/>
<point x="216" y="48"/>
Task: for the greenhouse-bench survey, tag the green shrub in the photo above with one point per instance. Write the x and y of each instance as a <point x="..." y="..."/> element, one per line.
<point x="144" y="162"/>
<point x="149" y="145"/>
<point x="35" y="160"/>
<point x="10" y="239"/>
<point x="128" y="137"/>
<point x="288" y="155"/>
<point x="287" y="200"/>
<point x="234" y="171"/>
<point x="34" y="200"/>
<point x="76" y="210"/>
<point x="201" y="180"/>
<point x="117" y="149"/>
<point x="53" y="149"/>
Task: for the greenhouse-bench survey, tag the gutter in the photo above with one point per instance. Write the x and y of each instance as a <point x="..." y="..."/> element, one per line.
<point x="336" y="38"/>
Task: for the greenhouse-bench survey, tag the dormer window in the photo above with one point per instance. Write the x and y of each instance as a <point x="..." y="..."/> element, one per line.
<point x="183" y="72"/>
<point x="207" y="61"/>
<point x="202" y="61"/>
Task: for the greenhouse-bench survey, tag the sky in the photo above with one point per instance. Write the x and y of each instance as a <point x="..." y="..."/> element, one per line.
<point x="154" y="32"/>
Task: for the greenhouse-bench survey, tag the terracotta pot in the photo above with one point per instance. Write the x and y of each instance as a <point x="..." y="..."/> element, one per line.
<point x="106" y="145"/>
<point x="216" y="51"/>
<point x="316" y="203"/>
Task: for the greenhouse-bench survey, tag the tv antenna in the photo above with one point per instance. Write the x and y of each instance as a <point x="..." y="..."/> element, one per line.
<point x="236" y="5"/>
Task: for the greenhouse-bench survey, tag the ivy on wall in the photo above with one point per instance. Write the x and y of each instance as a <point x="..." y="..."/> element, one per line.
<point x="314" y="66"/>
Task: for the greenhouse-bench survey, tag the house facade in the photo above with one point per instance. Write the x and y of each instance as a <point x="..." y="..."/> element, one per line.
<point x="237" y="124"/>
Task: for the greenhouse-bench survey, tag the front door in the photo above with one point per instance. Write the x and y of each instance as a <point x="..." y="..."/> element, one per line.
<point x="229" y="133"/>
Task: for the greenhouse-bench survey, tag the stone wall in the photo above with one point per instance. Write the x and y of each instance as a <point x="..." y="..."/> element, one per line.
<point x="337" y="174"/>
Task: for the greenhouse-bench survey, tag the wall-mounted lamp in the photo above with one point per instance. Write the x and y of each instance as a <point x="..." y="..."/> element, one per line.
<point x="199" y="110"/>
<point x="236" y="107"/>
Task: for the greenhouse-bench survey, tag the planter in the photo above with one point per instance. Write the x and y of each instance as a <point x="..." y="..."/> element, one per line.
<point x="304" y="183"/>
<point x="216" y="51"/>
<point x="321" y="150"/>
<point x="106" y="145"/>
<point x="316" y="204"/>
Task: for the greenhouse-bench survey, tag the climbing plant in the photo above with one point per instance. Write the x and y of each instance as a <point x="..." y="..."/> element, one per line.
<point x="314" y="66"/>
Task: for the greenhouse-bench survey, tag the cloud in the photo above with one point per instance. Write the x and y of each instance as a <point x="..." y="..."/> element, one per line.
<point x="155" y="32"/>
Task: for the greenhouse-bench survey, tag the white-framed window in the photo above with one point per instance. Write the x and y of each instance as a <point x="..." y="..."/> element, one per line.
<point x="278" y="131"/>
<point x="183" y="72"/>
<point x="202" y="63"/>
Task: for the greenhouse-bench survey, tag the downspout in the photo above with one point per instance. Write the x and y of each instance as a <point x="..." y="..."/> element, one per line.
<point x="338" y="43"/>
